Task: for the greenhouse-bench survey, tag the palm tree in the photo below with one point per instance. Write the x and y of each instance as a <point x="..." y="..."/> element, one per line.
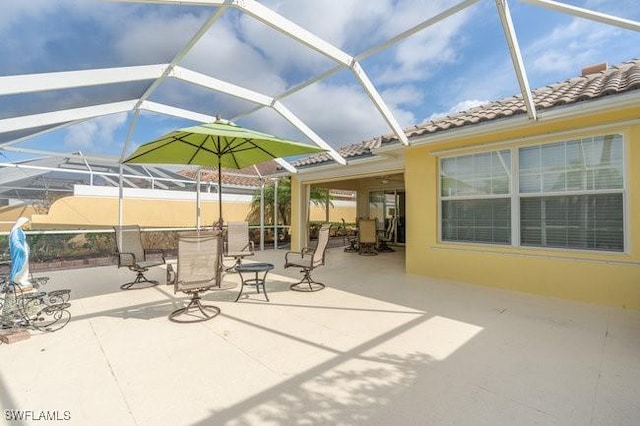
<point x="318" y="197"/>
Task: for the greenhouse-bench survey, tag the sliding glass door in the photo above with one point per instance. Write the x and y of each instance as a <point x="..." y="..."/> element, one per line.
<point x="388" y="206"/>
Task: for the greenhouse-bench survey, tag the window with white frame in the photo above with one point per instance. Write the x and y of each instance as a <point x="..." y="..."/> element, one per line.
<point x="569" y="195"/>
<point x="475" y="193"/>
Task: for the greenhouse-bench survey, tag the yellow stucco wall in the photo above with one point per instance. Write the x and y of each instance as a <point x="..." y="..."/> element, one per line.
<point x="336" y="213"/>
<point x="603" y="278"/>
<point x="9" y="214"/>
<point x="103" y="212"/>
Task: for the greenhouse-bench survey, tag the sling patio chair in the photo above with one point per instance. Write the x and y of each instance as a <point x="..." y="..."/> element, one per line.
<point x="367" y="237"/>
<point x="387" y="236"/>
<point x="198" y="270"/>
<point x="309" y="259"/>
<point x="133" y="255"/>
<point x="237" y="244"/>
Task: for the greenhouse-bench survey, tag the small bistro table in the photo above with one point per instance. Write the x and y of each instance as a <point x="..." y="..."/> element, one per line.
<point x="256" y="268"/>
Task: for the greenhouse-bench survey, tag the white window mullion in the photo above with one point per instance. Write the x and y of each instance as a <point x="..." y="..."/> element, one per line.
<point x="515" y="198"/>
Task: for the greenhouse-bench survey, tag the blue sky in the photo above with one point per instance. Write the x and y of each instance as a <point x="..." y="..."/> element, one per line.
<point x="456" y="64"/>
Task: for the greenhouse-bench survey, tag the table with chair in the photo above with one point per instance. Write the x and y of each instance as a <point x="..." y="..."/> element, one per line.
<point x="369" y="240"/>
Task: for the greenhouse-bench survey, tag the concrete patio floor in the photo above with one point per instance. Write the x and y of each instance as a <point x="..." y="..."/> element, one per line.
<point x="376" y="347"/>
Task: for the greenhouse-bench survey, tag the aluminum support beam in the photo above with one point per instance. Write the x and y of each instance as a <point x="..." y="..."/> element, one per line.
<point x="379" y="103"/>
<point x="250" y="95"/>
<point x="177" y="2"/>
<point x="63" y="116"/>
<point x="180" y="56"/>
<point x="293" y="119"/>
<point x="109" y="160"/>
<point x="176" y="112"/>
<point x="220" y="86"/>
<point x="294" y="31"/>
<point x="283" y="25"/>
<point x="587" y="14"/>
<point x="42" y="132"/>
<point x="127" y="140"/>
<point x="416" y="29"/>
<point x="27" y="83"/>
<point x="516" y="57"/>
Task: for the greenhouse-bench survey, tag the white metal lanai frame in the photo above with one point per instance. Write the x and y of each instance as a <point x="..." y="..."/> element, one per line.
<point x="158" y="73"/>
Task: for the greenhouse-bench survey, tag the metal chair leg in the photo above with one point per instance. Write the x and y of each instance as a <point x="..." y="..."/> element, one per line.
<point x="140" y="278"/>
<point x="208" y="311"/>
<point x="313" y="284"/>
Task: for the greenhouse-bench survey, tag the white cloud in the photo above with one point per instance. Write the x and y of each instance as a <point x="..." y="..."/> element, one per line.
<point x="406" y="95"/>
<point x="14" y="11"/>
<point x="419" y="56"/>
<point x="460" y="106"/>
<point x="346" y="24"/>
<point x="568" y="48"/>
<point x="94" y="134"/>
<point x="343" y="114"/>
<point x="154" y="37"/>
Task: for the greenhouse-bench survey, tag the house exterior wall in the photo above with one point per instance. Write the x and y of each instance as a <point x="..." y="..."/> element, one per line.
<point x="594" y="277"/>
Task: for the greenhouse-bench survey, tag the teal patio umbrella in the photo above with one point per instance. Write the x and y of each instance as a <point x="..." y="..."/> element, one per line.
<point x="220" y="144"/>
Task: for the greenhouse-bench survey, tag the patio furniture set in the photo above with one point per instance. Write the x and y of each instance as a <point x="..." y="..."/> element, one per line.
<point x="369" y="240"/>
<point x="200" y="267"/>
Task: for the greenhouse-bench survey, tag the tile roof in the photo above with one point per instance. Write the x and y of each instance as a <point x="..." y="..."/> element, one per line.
<point x="242" y="177"/>
<point x="615" y="80"/>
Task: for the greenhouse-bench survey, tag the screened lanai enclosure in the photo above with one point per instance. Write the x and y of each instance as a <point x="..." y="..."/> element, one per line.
<point x="83" y="83"/>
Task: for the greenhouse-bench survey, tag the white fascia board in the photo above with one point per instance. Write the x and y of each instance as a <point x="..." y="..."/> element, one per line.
<point x="365" y="167"/>
<point x="286" y="165"/>
<point x="377" y="100"/>
<point x="293" y="119"/>
<point x="28" y="83"/>
<point x="176" y="112"/>
<point x="516" y="56"/>
<point x="609" y="103"/>
<point x="283" y="25"/>
<point x="587" y="14"/>
<point x="63" y="116"/>
<point x="220" y="86"/>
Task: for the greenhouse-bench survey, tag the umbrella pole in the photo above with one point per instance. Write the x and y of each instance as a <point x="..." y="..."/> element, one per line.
<point x="198" y="201"/>
<point x="219" y="194"/>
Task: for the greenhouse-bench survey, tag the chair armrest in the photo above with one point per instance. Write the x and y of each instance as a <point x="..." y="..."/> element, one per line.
<point x="156" y="251"/>
<point x="292" y="254"/>
<point x="300" y="254"/>
<point x="126" y="255"/>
